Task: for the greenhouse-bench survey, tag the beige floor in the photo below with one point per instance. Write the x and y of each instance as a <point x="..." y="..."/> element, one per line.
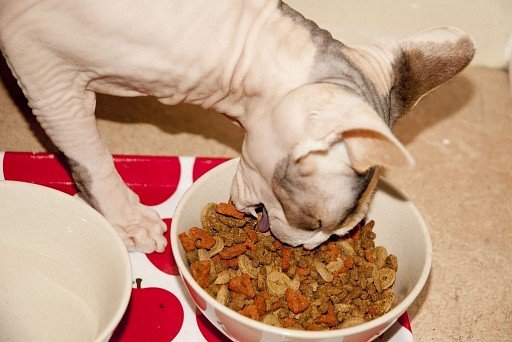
<point x="461" y="137"/>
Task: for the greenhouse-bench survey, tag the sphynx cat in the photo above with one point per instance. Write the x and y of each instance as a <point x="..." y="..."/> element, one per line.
<point x="317" y="113"/>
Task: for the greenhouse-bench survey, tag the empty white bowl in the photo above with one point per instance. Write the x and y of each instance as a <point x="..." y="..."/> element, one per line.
<point x="399" y="227"/>
<point x="65" y="275"/>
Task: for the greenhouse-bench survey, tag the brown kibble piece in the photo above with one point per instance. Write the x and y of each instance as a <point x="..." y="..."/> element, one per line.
<point x="250" y="311"/>
<point x="242" y="284"/>
<point x="295" y="301"/>
<point x="233" y="251"/>
<point x="200" y="271"/>
<point x="349" y="263"/>
<point x="187" y="241"/>
<point x="287" y="254"/>
<point x="202" y="238"/>
<point x="229" y="209"/>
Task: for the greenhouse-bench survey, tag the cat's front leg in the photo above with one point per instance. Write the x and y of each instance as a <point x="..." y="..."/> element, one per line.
<point x="65" y="110"/>
<point x="95" y="175"/>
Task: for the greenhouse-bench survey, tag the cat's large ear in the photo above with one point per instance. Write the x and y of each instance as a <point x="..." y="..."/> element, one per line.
<point x="324" y="114"/>
<point x="426" y="61"/>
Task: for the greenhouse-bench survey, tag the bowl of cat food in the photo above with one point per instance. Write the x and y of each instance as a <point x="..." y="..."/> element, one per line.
<point x="65" y="274"/>
<point x="252" y="287"/>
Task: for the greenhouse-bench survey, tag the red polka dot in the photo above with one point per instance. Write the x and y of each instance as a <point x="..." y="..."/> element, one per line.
<point x="165" y="261"/>
<point x="154" y="314"/>
<point x="209" y="331"/>
<point x="203" y="165"/>
<point x="39" y="168"/>
<point x="404" y="321"/>
<point x="154" y="179"/>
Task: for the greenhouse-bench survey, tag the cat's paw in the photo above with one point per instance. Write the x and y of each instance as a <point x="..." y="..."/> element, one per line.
<point x="143" y="230"/>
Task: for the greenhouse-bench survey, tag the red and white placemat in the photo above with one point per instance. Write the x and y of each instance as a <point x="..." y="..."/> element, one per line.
<point x="160" y="308"/>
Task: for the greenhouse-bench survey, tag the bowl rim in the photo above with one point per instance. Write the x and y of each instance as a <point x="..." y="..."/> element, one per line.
<point x="104" y="224"/>
<point x="391" y="315"/>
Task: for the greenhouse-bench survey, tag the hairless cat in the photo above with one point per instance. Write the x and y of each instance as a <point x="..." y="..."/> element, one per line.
<point x="317" y="113"/>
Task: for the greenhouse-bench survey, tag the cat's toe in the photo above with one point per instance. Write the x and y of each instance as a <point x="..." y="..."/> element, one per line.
<point x="146" y="236"/>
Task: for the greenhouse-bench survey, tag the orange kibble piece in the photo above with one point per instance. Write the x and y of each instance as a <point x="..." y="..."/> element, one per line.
<point x="229" y="209"/>
<point x="260" y="302"/>
<point x="233" y="251"/>
<point x="249" y="244"/>
<point x="250" y="311"/>
<point x="277" y="244"/>
<point x="200" y="271"/>
<point x="202" y="238"/>
<point x="295" y="301"/>
<point x="349" y="263"/>
<point x="287" y="254"/>
<point x="314" y="327"/>
<point x="233" y="263"/>
<point x="251" y="234"/>
<point x="329" y="318"/>
<point x="187" y="241"/>
<point x="332" y="251"/>
<point x="303" y="271"/>
<point x="288" y="322"/>
<point x="242" y="284"/>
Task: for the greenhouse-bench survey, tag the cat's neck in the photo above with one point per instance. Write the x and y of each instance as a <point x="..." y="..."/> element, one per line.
<point x="277" y="57"/>
<point x="282" y="51"/>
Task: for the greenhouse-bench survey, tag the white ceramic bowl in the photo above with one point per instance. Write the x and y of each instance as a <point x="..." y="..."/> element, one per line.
<point x="399" y="227"/>
<point x="65" y="275"/>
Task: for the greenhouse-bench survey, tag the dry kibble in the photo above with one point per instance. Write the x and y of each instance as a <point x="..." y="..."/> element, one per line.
<point x="323" y="272"/>
<point x="295" y="301"/>
<point x="202" y="238"/>
<point x="200" y="271"/>
<point x="250" y="311"/>
<point x="219" y="245"/>
<point x="342" y="283"/>
<point x="242" y="284"/>
<point x="277" y="283"/>
<point x="222" y="295"/>
<point x="234" y="251"/>
<point x="386" y="277"/>
<point x="229" y="209"/>
<point x="271" y="319"/>
<point x="246" y="267"/>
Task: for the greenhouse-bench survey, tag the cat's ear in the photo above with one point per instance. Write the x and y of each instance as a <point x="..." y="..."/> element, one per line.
<point x="426" y="61"/>
<point x="328" y="114"/>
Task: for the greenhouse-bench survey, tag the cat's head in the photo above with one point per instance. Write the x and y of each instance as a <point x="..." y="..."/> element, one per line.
<point x="314" y="161"/>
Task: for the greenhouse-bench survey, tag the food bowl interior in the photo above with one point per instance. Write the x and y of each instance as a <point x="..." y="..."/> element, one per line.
<point x="65" y="275"/>
<point x="399" y="228"/>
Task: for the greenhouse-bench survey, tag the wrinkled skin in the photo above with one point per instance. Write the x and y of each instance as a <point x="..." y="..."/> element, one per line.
<point x="317" y="113"/>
